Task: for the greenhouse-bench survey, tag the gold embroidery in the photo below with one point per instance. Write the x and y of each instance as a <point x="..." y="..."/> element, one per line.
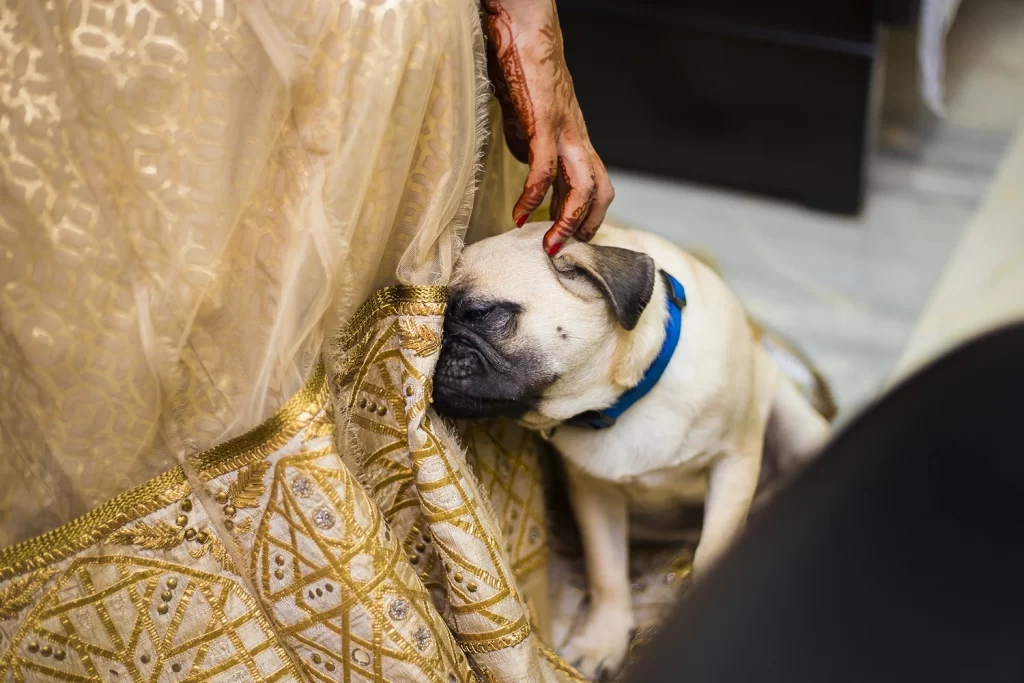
<point x="177" y="617"/>
<point x="322" y="425"/>
<point x="245" y="491"/>
<point x="243" y="527"/>
<point x="159" y="536"/>
<point x="560" y="665"/>
<point x="215" y="547"/>
<point x="316" y="563"/>
<point x="391" y="301"/>
<point x="17" y="595"/>
<point x="169" y="487"/>
<point x="424" y="488"/>
<point x="422" y="340"/>
<point x="79" y="534"/>
<point x="504" y="458"/>
<point x="269" y="436"/>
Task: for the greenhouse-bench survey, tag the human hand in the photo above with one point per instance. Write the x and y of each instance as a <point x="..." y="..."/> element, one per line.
<point x="543" y="123"/>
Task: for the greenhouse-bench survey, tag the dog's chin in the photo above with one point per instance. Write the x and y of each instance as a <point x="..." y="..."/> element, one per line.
<point x="460" y="401"/>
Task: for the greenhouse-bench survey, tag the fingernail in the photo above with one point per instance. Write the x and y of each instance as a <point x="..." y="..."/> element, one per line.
<point x="554" y="249"/>
<point x="521" y="221"/>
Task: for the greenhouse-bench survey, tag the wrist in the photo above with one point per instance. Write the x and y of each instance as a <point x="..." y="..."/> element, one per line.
<point x="524" y="18"/>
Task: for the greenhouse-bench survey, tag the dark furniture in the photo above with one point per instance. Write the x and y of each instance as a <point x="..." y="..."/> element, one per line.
<point x="773" y="97"/>
<point x="896" y="556"/>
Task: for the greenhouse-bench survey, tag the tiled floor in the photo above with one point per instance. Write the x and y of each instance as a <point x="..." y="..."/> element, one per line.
<point x="850" y="291"/>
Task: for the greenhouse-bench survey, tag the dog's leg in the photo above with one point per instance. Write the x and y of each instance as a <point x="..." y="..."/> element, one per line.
<point x="796" y="431"/>
<point x="731" y="486"/>
<point x="599" y="647"/>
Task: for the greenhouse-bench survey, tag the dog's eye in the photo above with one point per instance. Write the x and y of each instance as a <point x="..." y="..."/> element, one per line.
<point x="477" y="313"/>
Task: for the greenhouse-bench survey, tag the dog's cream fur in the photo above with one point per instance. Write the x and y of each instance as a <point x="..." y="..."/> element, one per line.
<point x="697" y="436"/>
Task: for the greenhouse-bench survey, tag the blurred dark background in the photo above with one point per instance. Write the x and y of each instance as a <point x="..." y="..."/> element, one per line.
<point x="778" y="97"/>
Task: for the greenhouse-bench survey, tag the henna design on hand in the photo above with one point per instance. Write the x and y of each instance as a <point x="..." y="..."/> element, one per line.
<point x="555" y="57"/>
<point x="542" y="120"/>
<point x="505" y="69"/>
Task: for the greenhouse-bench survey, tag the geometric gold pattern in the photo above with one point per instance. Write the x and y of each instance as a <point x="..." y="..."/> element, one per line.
<point x="133" y="618"/>
<point x="410" y="553"/>
<point x="418" y="476"/>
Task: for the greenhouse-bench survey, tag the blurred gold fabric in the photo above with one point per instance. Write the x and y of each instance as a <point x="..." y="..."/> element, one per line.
<point x="192" y="193"/>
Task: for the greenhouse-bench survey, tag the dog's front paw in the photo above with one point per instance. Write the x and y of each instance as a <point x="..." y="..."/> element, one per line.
<point x="599" y="649"/>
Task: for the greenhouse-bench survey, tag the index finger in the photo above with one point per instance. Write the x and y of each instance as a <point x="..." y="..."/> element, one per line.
<point x="581" y="186"/>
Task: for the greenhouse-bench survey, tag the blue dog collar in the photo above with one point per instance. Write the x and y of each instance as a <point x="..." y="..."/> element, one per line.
<point x="602" y="419"/>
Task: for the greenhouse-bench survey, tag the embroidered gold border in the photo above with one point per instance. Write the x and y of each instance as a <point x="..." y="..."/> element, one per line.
<point x="172" y="486"/>
<point x="560" y="665"/>
<point x="263" y="440"/>
<point x="169" y="487"/>
<point x="485" y="643"/>
<point x="78" y="534"/>
<point x="399" y="297"/>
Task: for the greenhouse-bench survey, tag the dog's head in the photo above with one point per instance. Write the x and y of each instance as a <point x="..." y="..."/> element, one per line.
<point x="536" y="338"/>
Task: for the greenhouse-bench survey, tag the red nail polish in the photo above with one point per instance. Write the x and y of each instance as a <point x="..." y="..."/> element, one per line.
<point x="554" y="249"/>
<point x="521" y="221"/>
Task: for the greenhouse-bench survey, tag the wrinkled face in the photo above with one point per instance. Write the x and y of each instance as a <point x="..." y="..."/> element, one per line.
<point x="530" y="337"/>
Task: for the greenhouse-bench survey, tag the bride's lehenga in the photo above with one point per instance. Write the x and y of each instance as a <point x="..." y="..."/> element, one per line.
<point x="196" y="483"/>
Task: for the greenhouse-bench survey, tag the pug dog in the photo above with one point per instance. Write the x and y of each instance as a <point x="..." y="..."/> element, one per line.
<point x="569" y="346"/>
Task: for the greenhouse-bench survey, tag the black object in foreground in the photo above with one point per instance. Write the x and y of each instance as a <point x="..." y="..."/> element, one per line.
<point x="898" y="556"/>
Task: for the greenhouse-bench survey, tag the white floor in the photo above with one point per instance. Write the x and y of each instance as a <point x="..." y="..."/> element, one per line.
<point x="851" y="291"/>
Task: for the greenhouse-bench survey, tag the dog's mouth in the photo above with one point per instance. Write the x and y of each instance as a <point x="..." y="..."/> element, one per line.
<point x="473" y="381"/>
<point x="458" y="405"/>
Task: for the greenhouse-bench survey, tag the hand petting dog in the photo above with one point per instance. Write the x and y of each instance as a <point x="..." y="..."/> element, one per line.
<point x="543" y="123"/>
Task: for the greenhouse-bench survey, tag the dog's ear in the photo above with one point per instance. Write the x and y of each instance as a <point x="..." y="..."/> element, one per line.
<point x="624" y="278"/>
